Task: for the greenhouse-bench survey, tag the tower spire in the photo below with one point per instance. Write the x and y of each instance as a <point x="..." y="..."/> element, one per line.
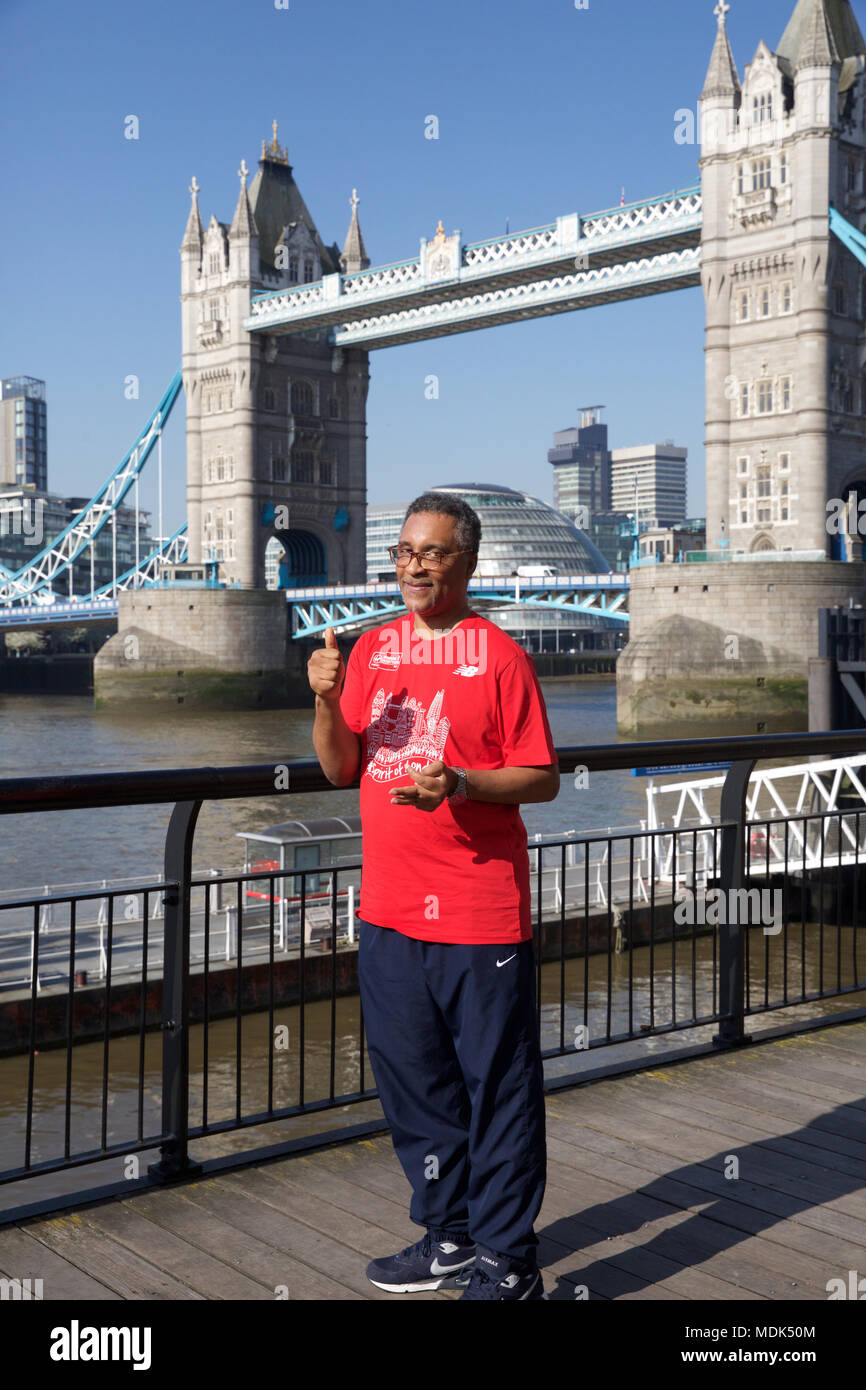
<point x="243" y="222"/>
<point x="275" y="151"/>
<point x="354" y="255"/>
<point x="722" y="79"/>
<point x="821" y="32"/>
<point x="194" y="234"/>
<point x="818" y="48"/>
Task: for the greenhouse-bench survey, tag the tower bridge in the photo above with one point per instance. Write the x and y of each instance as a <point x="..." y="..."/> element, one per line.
<point x="573" y="263"/>
<point x="277" y="328"/>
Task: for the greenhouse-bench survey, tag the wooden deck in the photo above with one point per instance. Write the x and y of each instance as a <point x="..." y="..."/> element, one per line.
<point x="638" y="1204"/>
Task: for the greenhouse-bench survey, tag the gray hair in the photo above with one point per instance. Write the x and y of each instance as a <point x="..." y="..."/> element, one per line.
<point x="468" y="530"/>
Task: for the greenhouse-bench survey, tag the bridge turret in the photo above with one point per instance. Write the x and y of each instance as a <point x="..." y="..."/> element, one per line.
<point x="354" y="255"/>
<point x="244" y="235"/>
<point x="276" y="425"/>
<point x="784" y="304"/>
<point x="193" y="240"/>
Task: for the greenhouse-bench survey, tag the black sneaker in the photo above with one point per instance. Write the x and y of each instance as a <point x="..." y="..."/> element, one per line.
<point x="428" y="1264"/>
<point x="500" y="1280"/>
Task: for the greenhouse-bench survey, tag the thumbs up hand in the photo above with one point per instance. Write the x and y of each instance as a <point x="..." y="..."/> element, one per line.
<point x="325" y="668"/>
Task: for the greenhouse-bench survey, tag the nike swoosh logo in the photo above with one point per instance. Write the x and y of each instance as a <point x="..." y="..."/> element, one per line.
<point x="436" y="1268"/>
<point x="507" y="959"/>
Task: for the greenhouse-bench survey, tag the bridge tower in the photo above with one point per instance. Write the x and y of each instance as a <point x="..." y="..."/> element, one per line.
<point x="276" y="426"/>
<point x="785" y="302"/>
<point x="785" y="354"/>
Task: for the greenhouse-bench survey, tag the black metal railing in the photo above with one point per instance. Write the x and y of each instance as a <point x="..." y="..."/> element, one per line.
<point x="626" y="948"/>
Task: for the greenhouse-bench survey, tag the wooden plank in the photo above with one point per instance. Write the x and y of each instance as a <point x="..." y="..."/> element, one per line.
<point x="309" y="1175"/>
<point x="741" y="1213"/>
<point x="212" y="1278"/>
<point x="351" y="1228"/>
<point x="258" y="1259"/>
<point x="747" y="1261"/>
<point x="784" y="1105"/>
<point x="97" y="1255"/>
<point x="807" y="1180"/>
<point x="262" y="1222"/>
<point x="653" y="1168"/>
<point x="23" y="1257"/>
<point x="712" y="1112"/>
<point x="729" y="1131"/>
<point x="559" y="1228"/>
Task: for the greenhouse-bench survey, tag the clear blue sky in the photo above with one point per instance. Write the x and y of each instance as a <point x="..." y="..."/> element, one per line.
<point x="543" y="109"/>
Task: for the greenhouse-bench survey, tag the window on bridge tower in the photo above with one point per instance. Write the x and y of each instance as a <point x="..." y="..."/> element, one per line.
<point x="762" y="107"/>
<point x="764" y="480"/>
<point x="302" y="398"/>
<point x="765" y="397"/>
<point x="760" y="174"/>
<point x="269" y="401"/>
<point x="293" y="270"/>
<point x="839" y="299"/>
<point x="787" y="293"/>
<point x="741" y="179"/>
<point x="302" y="466"/>
<point x="744" y="398"/>
<point x="764" y="301"/>
<point x="783" y="168"/>
<point x="278" y="469"/>
<point x="326" y="472"/>
<point x="743" y="305"/>
<point x="785" y="388"/>
<point x="309" y="272"/>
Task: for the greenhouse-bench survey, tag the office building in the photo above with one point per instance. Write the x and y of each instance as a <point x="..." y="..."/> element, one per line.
<point x="23" y="433"/>
<point x="652" y="476"/>
<point x="581" y="466"/>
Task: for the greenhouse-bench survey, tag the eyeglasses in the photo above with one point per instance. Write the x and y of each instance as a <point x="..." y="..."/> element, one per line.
<point x="430" y="559"/>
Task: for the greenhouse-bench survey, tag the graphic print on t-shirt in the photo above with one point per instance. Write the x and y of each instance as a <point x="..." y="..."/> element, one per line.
<point x="402" y="732"/>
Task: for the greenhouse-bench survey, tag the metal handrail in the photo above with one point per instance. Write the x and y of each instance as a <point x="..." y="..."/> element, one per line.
<point x="189" y="788"/>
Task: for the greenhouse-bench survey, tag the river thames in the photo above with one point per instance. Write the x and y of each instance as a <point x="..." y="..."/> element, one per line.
<point x="48" y="736"/>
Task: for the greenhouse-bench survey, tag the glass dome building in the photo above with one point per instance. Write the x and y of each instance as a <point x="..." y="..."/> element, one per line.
<point x="517" y="530"/>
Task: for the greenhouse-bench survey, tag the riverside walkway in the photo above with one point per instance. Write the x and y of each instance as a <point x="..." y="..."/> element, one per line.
<point x="735" y="1175"/>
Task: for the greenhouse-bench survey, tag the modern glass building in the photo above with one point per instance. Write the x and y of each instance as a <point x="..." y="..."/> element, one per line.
<point x="23" y="433"/>
<point x="31" y="519"/>
<point x="517" y="531"/>
<point x="581" y="465"/>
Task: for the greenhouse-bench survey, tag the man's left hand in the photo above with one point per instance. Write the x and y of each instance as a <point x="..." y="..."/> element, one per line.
<point x="432" y="785"/>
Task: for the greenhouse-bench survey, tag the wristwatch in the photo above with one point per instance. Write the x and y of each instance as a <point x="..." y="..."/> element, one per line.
<point x="461" y="791"/>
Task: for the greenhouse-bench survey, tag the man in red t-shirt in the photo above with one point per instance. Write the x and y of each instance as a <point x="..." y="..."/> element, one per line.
<point x="442" y="716"/>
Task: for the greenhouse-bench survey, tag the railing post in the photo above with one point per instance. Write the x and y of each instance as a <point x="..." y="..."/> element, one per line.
<point x="174" y="1160"/>
<point x="733" y="940"/>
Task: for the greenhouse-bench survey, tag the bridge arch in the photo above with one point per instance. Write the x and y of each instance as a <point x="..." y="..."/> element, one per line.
<point x="762" y="543"/>
<point x="295" y="559"/>
<point x="854" y="488"/>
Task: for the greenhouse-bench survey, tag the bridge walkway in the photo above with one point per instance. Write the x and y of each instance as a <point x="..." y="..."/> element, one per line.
<point x="638" y="1204"/>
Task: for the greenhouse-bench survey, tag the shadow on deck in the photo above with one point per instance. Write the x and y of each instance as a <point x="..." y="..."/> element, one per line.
<point x="641" y="1201"/>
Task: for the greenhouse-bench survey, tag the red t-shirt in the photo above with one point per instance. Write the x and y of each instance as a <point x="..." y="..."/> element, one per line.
<point x="470" y="698"/>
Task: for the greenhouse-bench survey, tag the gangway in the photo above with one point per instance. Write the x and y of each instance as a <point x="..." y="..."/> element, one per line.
<point x="794" y="810"/>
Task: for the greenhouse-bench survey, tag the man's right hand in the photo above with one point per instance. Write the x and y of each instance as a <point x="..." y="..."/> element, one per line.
<point x="325" y="669"/>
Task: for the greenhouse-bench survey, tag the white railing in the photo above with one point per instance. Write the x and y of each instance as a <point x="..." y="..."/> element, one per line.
<point x="515" y="299"/>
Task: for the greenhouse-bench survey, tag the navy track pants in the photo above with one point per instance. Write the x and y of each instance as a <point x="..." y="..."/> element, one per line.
<point x="452" y="1037"/>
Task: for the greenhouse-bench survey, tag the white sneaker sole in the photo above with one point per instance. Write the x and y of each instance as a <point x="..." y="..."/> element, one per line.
<point x="433" y="1283"/>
